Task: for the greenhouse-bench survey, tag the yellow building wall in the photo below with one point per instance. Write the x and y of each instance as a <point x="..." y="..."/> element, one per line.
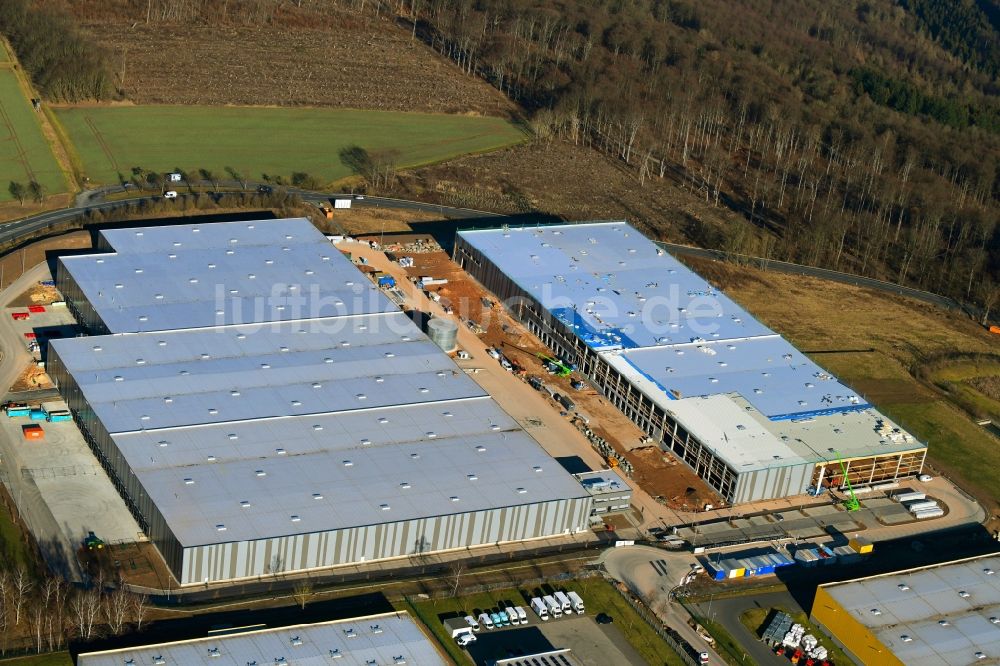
<point x="853" y="635"/>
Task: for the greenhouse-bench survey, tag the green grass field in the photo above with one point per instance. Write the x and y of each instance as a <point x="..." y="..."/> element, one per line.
<point x="4" y="56"/>
<point x="25" y="155"/>
<point x="273" y="141"/>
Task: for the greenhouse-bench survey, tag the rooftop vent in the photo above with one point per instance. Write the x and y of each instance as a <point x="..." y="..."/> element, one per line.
<point x="454" y="498"/>
<point x="220" y="528"/>
<point x="414" y="456"/>
<point x="903" y="586"/>
<point x="521" y="491"/>
<point x="162" y="443"/>
<point x="405" y="485"/>
<point x="280" y="452"/>
<point x="350" y="633"/>
<point x="376" y="629"/>
<point x="188" y="481"/>
<point x="348" y="463"/>
<point x="480" y="448"/>
<point x="988" y="572"/>
<point x="296" y="640"/>
<point x="537" y="468"/>
<point x="335" y="653"/>
<point x="295" y="519"/>
<point x="260" y="473"/>
<point x="245" y="504"/>
<point x="473" y="477"/>
<point x="317" y="427"/>
<point x="905" y="638"/>
<point x="317" y="496"/>
<point x="384" y="507"/>
<point x="963" y="594"/>
<point x="265" y="366"/>
<point x="211" y="458"/>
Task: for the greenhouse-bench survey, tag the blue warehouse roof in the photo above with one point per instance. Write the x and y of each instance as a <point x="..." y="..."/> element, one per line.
<point x="657" y="320"/>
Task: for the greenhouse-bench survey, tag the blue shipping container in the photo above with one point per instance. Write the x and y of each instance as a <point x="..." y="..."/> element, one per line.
<point x="37" y="415"/>
<point x="20" y="411"/>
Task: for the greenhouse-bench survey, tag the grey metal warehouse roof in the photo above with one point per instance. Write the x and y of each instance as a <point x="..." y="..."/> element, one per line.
<point x="388" y="640"/>
<point x="189" y="276"/>
<point x="933" y="616"/>
<point x="149" y="381"/>
<point x="251" y="431"/>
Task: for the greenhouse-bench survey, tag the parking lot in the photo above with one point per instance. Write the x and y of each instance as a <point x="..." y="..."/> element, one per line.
<point x="61" y="491"/>
<point x="592" y="644"/>
<point x="59" y="487"/>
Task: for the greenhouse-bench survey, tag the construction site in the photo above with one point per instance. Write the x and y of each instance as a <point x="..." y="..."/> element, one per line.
<point x="617" y="439"/>
<point x="744" y="410"/>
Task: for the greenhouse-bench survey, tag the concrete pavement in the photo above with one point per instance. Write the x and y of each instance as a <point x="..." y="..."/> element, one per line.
<point x="652" y="574"/>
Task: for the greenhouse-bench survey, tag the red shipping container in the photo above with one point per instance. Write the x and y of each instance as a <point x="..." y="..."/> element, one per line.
<point x="32" y="431"/>
<point x="36" y="308"/>
<point x="19" y="315"/>
<point x="30" y="336"/>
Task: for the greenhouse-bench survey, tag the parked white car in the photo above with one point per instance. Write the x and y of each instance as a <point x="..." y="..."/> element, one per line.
<point x="170" y="194"/>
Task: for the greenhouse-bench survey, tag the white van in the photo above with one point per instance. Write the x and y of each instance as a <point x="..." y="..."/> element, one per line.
<point x="577" y="602"/>
<point x="564" y="602"/>
<point x="522" y="617"/>
<point x="170" y="194"/>
<point x="540" y="609"/>
<point x="471" y="621"/>
<point x="555" y="608"/>
<point x="485" y="621"/>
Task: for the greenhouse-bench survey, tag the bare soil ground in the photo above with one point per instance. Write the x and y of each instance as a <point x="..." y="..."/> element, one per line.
<point x="37" y="295"/>
<point x="314" y="55"/>
<point x="32" y="378"/>
<point x="12" y="264"/>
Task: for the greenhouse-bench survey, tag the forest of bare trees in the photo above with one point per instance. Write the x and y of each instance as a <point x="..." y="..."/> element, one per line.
<point x="853" y="188"/>
<point x="44" y="614"/>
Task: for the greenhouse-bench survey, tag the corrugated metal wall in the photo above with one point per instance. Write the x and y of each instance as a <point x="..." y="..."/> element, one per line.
<point x="772" y="482"/>
<point x="76" y="302"/>
<point x="376" y="542"/>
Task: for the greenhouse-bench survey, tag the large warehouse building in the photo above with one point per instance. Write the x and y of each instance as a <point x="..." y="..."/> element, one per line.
<point x="752" y="415"/>
<point x="942" y="615"/>
<point x="389" y="639"/>
<point x="262" y="408"/>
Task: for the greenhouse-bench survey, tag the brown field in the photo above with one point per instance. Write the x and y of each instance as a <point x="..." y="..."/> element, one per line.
<point x="316" y="55"/>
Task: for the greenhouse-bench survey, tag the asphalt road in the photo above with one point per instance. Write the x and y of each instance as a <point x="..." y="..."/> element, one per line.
<point x="94" y="200"/>
<point x="727" y="612"/>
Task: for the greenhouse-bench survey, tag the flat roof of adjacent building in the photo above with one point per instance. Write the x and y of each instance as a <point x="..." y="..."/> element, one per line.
<point x="603" y="481"/>
<point x="200" y="275"/>
<point x="947" y="612"/>
<point x="391" y="638"/>
<point x="745" y="391"/>
<point x="250" y="431"/>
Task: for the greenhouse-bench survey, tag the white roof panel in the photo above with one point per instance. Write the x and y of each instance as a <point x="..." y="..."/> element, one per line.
<point x="380" y="639"/>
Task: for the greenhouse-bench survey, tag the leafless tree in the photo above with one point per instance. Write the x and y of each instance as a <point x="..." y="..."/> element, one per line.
<point x="85" y="608"/>
<point x="140" y="608"/>
<point x="302" y="591"/>
<point x="456" y="571"/>
<point x="117" y="608"/>
<point x="21" y="585"/>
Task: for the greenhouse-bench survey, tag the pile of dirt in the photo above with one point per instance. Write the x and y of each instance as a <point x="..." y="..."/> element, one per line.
<point x="32" y="378"/>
